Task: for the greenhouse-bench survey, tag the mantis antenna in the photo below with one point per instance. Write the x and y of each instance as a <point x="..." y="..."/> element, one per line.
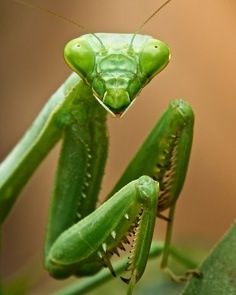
<point x="71" y="21"/>
<point x="146" y="21"/>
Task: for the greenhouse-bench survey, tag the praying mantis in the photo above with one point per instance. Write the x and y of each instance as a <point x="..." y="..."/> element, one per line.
<point x="110" y="70"/>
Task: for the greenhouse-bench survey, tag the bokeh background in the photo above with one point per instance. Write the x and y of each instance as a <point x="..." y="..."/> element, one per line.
<point x="202" y="37"/>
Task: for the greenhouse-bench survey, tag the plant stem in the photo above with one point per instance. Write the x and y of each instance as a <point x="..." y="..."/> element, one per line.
<point x="88" y="284"/>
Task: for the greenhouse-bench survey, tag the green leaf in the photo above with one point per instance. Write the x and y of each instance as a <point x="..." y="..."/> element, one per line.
<point x="218" y="269"/>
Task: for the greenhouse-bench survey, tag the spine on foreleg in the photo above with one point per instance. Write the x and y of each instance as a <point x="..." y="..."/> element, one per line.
<point x="79" y="173"/>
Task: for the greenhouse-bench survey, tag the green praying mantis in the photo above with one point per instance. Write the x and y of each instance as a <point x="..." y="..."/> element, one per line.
<point x="110" y="70"/>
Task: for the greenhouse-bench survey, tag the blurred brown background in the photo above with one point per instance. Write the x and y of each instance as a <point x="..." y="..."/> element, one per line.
<point x="202" y="36"/>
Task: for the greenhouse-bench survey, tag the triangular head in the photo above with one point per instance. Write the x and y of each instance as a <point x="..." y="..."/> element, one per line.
<point x="116" y="66"/>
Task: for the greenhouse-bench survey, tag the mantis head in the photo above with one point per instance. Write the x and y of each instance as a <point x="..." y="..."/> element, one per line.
<point x="116" y="66"/>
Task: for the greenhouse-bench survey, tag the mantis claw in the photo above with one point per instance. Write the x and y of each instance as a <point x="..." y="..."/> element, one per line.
<point x="131" y="282"/>
<point x="194" y="273"/>
<point x="161" y="216"/>
<point x="108" y="264"/>
<point x="125" y="280"/>
<point x="184" y="278"/>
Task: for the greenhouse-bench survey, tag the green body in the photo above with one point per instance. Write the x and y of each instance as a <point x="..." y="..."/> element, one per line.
<point x="112" y="69"/>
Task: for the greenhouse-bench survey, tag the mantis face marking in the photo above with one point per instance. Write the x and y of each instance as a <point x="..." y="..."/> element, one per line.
<point x="116" y="71"/>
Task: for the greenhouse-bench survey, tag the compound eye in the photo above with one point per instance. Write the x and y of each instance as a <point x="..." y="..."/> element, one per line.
<point x="153" y="58"/>
<point x="80" y="57"/>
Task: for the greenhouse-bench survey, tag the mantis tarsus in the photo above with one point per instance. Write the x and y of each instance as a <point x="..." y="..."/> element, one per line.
<point x="111" y="70"/>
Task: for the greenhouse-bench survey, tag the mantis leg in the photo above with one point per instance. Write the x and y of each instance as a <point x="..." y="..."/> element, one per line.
<point x="167" y="244"/>
<point x="44" y="133"/>
<point x="80" y="169"/>
<point x="164" y="156"/>
<point x="191" y="272"/>
<point x="92" y="241"/>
